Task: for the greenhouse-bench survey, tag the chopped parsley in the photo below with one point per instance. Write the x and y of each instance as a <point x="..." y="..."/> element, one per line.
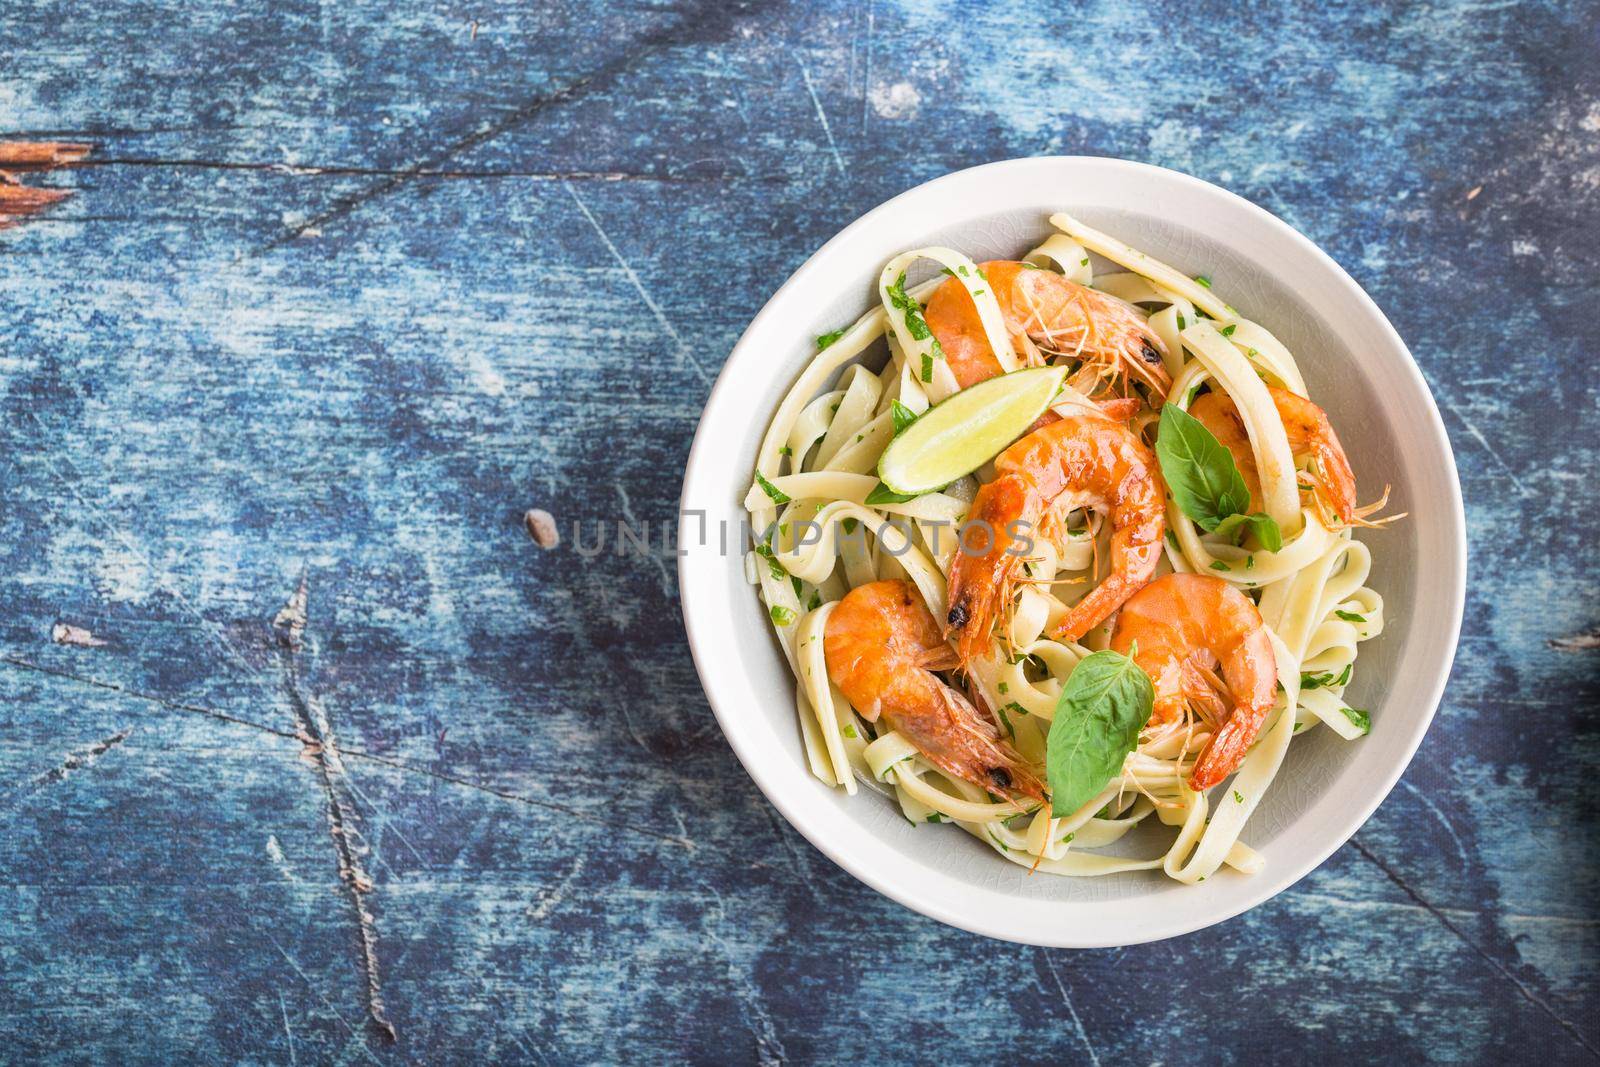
<point x="1350" y="616"/>
<point x="764" y="550"/>
<point x="1238" y="796"/>
<point x="778" y="495"/>
<point x="1004" y="689"/>
<point x="934" y="816"/>
<point x="1181" y="323"/>
<point x="815" y="602"/>
<point x="1359" y="718"/>
<point x="1218" y="565"/>
<point x="1084" y="262"/>
<point x="849" y="731"/>
<point x="1326" y="680"/>
<point x="781" y="615"/>
<point x="916" y="325"/>
<point x="826" y="339"/>
<point x="785" y="451"/>
<point x="1227" y="331"/>
<point x="850" y="525"/>
<point x="1203" y="279"/>
<point x="902" y="416"/>
<point x="927" y="368"/>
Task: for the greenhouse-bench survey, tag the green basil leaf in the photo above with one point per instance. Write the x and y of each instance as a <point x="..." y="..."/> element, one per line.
<point x="1199" y="471"/>
<point x="902" y="415"/>
<point x="1264" y="526"/>
<point x="882" y="494"/>
<point x="1104" y="704"/>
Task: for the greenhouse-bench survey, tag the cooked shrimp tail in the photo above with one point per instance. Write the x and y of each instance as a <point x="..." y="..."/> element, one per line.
<point x="882" y="646"/>
<point x="1086" y="460"/>
<point x="1178" y="628"/>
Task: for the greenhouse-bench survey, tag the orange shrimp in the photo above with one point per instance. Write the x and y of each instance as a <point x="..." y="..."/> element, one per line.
<point x="1084" y="460"/>
<point x="882" y="646"/>
<point x="1331" y="482"/>
<point x="1059" y="316"/>
<point x="1180" y="627"/>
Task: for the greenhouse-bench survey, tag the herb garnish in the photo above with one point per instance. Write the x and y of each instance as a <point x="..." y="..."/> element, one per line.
<point x="902" y="416"/>
<point x="826" y="339"/>
<point x="778" y="495"/>
<point x="1104" y="704"/>
<point x="1325" y="680"/>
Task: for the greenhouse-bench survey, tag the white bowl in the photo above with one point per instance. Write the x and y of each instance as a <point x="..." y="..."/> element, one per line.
<point x="1355" y="366"/>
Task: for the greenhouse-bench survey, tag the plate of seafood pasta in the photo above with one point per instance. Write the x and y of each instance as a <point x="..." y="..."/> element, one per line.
<point x="1072" y="552"/>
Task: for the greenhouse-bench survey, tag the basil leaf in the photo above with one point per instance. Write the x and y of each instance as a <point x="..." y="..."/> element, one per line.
<point x="1104" y="704"/>
<point x="882" y="494"/>
<point x="1264" y="526"/>
<point x="1199" y="471"/>
<point x="902" y="415"/>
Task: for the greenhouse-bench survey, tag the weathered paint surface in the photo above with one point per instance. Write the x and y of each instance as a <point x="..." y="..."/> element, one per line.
<point x="351" y="286"/>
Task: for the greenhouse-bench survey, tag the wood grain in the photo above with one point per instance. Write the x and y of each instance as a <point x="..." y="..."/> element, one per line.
<point x="349" y="288"/>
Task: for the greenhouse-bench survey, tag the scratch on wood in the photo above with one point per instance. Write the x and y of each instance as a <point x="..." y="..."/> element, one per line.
<point x="1066" y="998"/>
<point x="64" y="633"/>
<point x="79" y="759"/>
<point x="551" y="898"/>
<point x="290" y="621"/>
<point x="1587" y="641"/>
<point x="315" y="730"/>
<point x="522" y="114"/>
<point x="1444" y="920"/>
<point x="685" y="353"/>
<point x="822" y="116"/>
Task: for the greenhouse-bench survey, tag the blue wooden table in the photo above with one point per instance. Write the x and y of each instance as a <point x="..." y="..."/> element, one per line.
<point x="311" y="753"/>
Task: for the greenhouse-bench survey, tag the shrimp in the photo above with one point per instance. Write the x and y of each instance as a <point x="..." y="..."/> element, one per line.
<point x="1059" y="316"/>
<point x="1331" y="481"/>
<point x="1179" y="628"/>
<point x="882" y="646"/>
<point x="1087" y="459"/>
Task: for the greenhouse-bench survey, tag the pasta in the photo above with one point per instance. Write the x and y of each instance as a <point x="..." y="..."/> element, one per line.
<point x="1133" y="337"/>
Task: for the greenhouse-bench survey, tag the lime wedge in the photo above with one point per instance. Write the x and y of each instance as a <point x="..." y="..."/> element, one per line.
<point x="965" y="431"/>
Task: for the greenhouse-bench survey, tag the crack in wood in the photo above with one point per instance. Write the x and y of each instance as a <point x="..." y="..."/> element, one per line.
<point x="1500" y="968"/>
<point x="78" y="760"/>
<point x="678" y="840"/>
<point x="316" y="731"/>
<point x="336" y="170"/>
<point x="648" y="45"/>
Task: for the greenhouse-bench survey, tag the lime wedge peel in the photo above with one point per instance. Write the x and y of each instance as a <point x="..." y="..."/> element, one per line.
<point x="965" y="431"/>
